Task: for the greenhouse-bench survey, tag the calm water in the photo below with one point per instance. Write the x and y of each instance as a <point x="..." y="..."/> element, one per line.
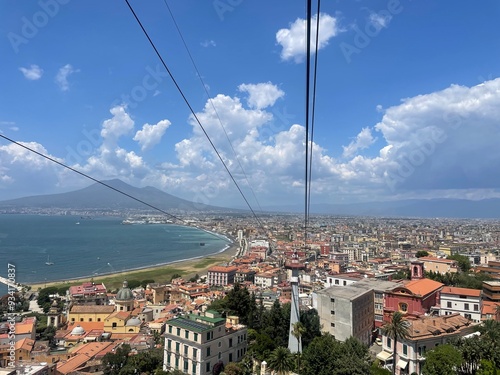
<point x="94" y="246"/>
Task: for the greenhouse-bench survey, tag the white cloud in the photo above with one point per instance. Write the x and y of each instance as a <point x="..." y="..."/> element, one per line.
<point x="363" y="140"/>
<point x="151" y="135"/>
<point x="62" y="76"/>
<point x="261" y="95"/>
<point x="379" y="20"/>
<point x="293" y="39"/>
<point x="208" y="43"/>
<point x="120" y="124"/>
<point x="33" y="73"/>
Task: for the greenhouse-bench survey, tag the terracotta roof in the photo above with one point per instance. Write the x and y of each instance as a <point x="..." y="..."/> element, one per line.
<point x="87" y="326"/>
<point x="25" y="344"/>
<point x="430" y="326"/>
<point x="422" y="287"/>
<point x="461" y="291"/>
<point x="24" y="328"/>
<point x="92" y="349"/>
<point x="222" y="269"/>
<point x="72" y="364"/>
<point x="489" y="308"/>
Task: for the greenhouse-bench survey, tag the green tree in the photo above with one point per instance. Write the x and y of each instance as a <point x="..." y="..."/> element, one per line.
<point x="396" y="329"/>
<point x="487" y="368"/>
<point x="298" y="330"/>
<point x="443" y="360"/>
<point x="144" y="283"/>
<point x="281" y="360"/>
<point x="175" y="276"/>
<point x="114" y="362"/>
<point x="327" y="356"/>
<point x="421" y="253"/>
<point x="233" y="369"/>
<point x="310" y="320"/>
<point x="462" y="260"/>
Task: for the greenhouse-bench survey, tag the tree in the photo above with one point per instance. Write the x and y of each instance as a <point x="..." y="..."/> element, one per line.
<point x="114" y="362"/>
<point x="421" y="253"/>
<point x="298" y="330"/>
<point x="281" y="360"/>
<point x="462" y="260"/>
<point x="327" y="356"/>
<point x="233" y="369"/>
<point x="310" y="320"/>
<point x="443" y="360"/>
<point x="396" y="329"/>
<point x="487" y="368"/>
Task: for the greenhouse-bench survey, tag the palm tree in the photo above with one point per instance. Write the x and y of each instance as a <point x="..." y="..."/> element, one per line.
<point x="396" y="329"/>
<point x="281" y="360"/>
<point x="298" y="329"/>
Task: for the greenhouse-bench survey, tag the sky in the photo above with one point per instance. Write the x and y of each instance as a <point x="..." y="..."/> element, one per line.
<point x="407" y="99"/>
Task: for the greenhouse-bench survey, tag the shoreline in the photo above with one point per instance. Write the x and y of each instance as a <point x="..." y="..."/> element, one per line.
<point x="186" y="267"/>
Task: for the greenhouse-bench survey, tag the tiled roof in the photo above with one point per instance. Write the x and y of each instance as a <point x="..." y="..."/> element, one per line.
<point x="98" y="309"/>
<point x="461" y="291"/>
<point x="422" y="287"/>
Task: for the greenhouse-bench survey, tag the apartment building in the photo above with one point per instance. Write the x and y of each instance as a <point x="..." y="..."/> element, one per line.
<point x="464" y="301"/>
<point x="221" y="275"/>
<point x="194" y="344"/>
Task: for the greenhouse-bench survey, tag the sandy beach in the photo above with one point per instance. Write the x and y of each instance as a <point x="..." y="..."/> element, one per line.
<point x="161" y="273"/>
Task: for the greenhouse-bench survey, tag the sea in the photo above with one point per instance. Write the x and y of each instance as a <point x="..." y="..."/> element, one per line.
<point x="75" y="246"/>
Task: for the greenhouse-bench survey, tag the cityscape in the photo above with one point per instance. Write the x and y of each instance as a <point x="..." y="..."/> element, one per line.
<point x="351" y="274"/>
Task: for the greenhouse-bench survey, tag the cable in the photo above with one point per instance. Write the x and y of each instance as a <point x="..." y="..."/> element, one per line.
<point x="308" y="73"/>
<point x="313" y="104"/>
<point x="92" y="178"/>
<point x="211" y="102"/>
<point x="192" y="111"/>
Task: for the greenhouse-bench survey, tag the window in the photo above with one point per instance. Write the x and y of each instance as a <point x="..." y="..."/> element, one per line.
<point x="448" y="304"/>
<point x="332" y="312"/>
<point x="186" y="334"/>
<point x="403" y="307"/>
<point x="194" y="368"/>
<point x="98" y="319"/>
<point x="230" y="344"/>
<point x="208" y="351"/>
<point x="476" y="307"/>
<point x="185" y="365"/>
<point x="195" y="337"/>
<point x="169" y="344"/>
<point x="220" y="355"/>
<point x="207" y="367"/>
<point x="345" y="283"/>
<point x="90" y="319"/>
<point x="177" y="347"/>
<point x="169" y="329"/>
<point x="219" y="344"/>
<point x="176" y="362"/>
<point x="336" y="282"/>
<point x="466" y="306"/>
<point x="389" y="342"/>
<point x="195" y="352"/>
<point x="178" y="331"/>
<point x="168" y="359"/>
<point x="230" y="357"/>
<point x="332" y="300"/>
<point x="332" y="324"/>
<point x="405" y="349"/>
<point x="186" y="350"/>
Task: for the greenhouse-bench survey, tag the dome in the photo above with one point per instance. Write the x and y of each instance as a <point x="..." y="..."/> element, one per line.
<point x="124" y="294"/>
<point x="133" y="322"/>
<point x="77" y="331"/>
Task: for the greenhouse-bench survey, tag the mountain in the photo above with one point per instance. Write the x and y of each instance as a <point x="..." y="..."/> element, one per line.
<point x="425" y="208"/>
<point x="100" y="197"/>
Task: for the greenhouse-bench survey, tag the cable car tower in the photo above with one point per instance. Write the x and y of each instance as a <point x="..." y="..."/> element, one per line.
<point x="295" y="266"/>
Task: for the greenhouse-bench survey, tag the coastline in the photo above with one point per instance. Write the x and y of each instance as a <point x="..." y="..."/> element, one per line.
<point x="187" y="268"/>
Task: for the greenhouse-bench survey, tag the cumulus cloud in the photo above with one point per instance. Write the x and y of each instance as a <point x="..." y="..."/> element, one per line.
<point x="293" y="39"/>
<point x="363" y="140"/>
<point x="441" y="144"/>
<point x="261" y="95"/>
<point x="62" y="76"/>
<point x="33" y="73"/>
<point x="150" y="135"/>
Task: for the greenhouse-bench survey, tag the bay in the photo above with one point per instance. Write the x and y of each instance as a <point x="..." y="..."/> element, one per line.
<point x="80" y="247"/>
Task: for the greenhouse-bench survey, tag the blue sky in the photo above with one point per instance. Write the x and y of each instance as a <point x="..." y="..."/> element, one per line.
<point x="408" y="99"/>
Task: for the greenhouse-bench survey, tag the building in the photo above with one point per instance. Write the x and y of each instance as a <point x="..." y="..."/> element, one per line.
<point x="492" y="269"/>
<point x="195" y="343"/>
<point x="464" y="301"/>
<point x="424" y="333"/>
<point x="88" y="293"/>
<point x="439" y="265"/>
<point x="413" y="297"/>
<point x="491" y="291"/>
<point x="221" y="275"/>
<point x="346" y="311"/>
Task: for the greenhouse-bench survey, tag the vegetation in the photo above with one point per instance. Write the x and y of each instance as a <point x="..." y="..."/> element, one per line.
<point x="462" y="260"/>
<point x="281" y="361"/>
<point x="122" y="363"/>
<point x="396" y="329"/>
<point x="421" y="253"/>
<point x="460" y="279"/>
<point x="443" y="360"/>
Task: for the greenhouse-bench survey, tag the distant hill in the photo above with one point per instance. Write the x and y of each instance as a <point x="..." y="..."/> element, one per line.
<point x="425" y="208"/>
<point x="100" y="197"/>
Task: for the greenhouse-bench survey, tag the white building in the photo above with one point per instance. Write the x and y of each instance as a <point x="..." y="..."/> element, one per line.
<point x="195" y="343"/>
<point x="423" y="334"/>
<point x="466" y="302"/>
